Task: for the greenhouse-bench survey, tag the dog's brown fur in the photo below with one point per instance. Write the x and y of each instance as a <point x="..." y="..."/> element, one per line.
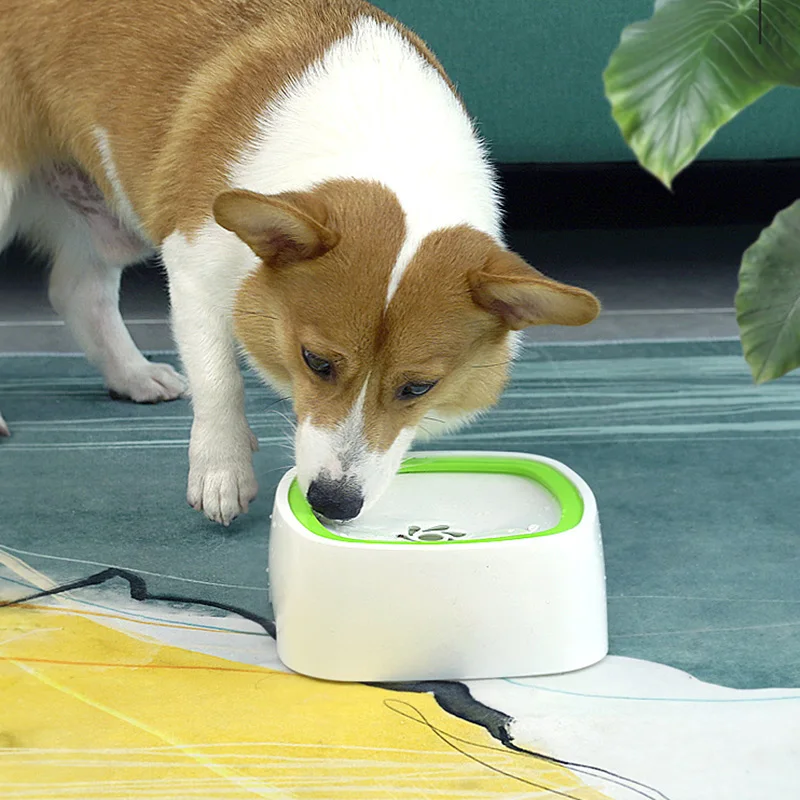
<point x="178" y="90"/>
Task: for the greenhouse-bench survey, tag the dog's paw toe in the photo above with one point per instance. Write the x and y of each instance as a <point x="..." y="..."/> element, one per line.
<point x="151" y="383"/>
<point x="222" y="493"/>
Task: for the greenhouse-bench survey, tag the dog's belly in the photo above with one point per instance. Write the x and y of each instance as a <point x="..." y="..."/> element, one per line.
<point x="112" y="238"/>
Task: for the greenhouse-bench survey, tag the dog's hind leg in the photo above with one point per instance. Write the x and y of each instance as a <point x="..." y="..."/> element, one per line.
<point x="89" y="250"/>
<point x="84" y="290"/>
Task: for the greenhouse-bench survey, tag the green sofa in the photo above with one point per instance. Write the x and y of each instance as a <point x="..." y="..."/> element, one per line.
<point x="530" y="71"/>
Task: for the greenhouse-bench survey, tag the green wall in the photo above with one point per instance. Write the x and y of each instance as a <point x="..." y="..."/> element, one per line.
<point x="530" y="72"/>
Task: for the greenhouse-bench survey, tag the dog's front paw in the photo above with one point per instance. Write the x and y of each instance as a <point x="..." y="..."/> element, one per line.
<point x="4" y="431"/>
<point x="147" y="383"/>
<point x="222" y="493"/>
<point x="222" y="483"/>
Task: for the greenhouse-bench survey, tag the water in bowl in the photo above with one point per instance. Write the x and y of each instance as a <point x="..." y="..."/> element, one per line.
<point x="437" y="507"/>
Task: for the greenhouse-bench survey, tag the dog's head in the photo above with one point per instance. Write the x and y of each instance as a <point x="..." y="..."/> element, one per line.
<point x="378" y="339"/>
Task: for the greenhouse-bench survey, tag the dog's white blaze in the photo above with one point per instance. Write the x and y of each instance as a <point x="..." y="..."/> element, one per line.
<point x="343" y="452"/>
<point x="372" y="108"/>
<point x="314" y="453"/>
<point x="336" y="451"/>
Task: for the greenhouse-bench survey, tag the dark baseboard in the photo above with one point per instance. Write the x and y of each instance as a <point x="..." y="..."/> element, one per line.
<point x="623" y="195"/>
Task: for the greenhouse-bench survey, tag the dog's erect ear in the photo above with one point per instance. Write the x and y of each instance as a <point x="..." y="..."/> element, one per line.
<point x="521" y="296"/>
<point x="281" y="229"/>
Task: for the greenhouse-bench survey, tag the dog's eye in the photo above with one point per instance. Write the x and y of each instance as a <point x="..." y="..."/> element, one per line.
<point x="411" y="390"/>
<point x="318" y="365"/>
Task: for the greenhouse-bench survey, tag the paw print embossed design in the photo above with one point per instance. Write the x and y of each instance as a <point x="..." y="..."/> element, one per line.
<point x="437" y="533"/>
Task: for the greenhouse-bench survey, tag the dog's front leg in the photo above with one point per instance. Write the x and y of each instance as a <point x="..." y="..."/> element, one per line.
<point x="203" y="280"/>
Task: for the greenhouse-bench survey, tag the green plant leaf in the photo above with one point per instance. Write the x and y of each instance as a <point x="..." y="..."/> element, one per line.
<point x="768" y="299"/>
<point x="677" y="78"/>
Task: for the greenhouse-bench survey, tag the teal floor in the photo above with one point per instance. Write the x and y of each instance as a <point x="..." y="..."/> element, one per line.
<point x="695" y="471"/>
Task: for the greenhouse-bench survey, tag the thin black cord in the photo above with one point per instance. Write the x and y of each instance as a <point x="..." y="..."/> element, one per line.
<point x="446" y="738"/>
<point x="589" y="769"/>
<point x="138" y="591"/>
<point x="642" y="789"/>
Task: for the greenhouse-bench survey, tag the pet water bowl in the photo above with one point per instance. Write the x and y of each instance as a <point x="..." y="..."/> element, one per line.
<point x="471" y="565"/>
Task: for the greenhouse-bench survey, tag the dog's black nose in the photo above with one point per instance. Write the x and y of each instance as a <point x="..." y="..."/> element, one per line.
<point x="335" y="500"/>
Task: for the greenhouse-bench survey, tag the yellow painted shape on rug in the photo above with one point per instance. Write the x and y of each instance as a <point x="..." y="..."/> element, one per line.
<point x="89" y="713"/>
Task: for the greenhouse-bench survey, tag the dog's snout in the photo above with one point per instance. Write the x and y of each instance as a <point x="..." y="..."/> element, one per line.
<point x="335" y="500"/>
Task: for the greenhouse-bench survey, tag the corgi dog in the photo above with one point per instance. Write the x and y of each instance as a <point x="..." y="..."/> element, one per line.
<point x="321" y="203"/>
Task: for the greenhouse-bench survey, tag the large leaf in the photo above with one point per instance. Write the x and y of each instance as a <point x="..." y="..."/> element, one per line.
<point x="675" y="79"/>
<point x="768" y="300"/>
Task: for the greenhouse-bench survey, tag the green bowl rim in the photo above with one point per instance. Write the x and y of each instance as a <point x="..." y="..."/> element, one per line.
<point x="552" y="479"/>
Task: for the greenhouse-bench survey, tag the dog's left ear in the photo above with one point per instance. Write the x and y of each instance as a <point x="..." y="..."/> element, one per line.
<point x="281" y="229"/>
<point x="521" y="296"/>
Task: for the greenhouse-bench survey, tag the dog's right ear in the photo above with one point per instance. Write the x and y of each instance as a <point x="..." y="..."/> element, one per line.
<point x="280" y="229"/>
<point x="521" y="296"/>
